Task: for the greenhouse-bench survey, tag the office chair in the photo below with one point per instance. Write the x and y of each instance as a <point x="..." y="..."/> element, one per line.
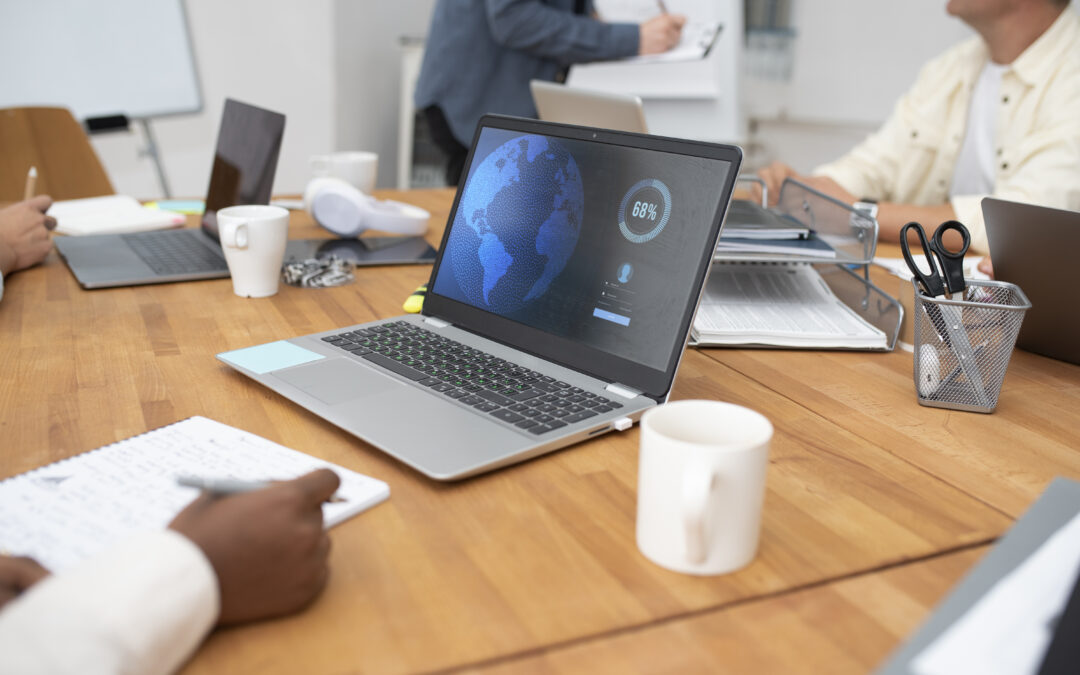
<point x="54" y="142"/>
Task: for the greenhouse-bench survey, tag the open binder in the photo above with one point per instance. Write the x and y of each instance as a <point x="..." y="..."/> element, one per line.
<point x="817" y="303"/>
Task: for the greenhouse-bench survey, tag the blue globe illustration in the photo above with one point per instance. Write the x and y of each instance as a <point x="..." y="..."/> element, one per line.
<point x="517" y="224"/>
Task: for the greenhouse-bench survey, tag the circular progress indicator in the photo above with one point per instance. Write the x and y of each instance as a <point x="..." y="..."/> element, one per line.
<point x="645" y="210"/>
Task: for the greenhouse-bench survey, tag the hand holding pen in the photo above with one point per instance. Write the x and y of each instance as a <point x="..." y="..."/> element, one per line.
<point x="660" y="33"/>
<point x="222" y="487"/>
<point x="24" y="229"/>
<point x="267" y="546"/>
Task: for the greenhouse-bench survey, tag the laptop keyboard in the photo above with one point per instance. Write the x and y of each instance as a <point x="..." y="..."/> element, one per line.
<point x="508" y="392"/>
<point x="174" y="252"/>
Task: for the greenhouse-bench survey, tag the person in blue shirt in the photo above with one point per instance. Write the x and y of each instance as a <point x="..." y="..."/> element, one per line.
<point x="480" y="55"/>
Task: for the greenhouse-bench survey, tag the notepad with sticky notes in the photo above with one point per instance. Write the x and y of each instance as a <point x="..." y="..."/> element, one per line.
<point x="68" y="511"/>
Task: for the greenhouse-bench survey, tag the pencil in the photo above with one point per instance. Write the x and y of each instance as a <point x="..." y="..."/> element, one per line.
<point x="663" y="7"/>
<point x="31" y="183"/>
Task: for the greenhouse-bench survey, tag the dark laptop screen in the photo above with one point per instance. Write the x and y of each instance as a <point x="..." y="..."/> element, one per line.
<point x="245" y="160"/>
<point x="600" y="243"/>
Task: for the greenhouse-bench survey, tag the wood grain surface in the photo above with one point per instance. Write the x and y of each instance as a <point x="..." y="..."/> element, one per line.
<point x="862" y="483"/>
<point x="849" y="626"/>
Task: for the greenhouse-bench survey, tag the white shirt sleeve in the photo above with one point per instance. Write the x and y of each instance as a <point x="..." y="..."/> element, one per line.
<point x="142" y="607"/>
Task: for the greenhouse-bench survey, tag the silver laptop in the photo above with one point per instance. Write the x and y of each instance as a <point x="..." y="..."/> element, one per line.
<point x="571" y="105"/>
<point x="557" y="310"/>
<point x="1035" y="248"/>
<point x="245" y="161"/>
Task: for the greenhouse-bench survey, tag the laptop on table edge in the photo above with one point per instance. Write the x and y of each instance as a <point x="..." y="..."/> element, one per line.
<point x="558" y="308"/>
<point x="245" y="161"/>
<point x="1034" y="247"/>
<point x="574" y="105"/>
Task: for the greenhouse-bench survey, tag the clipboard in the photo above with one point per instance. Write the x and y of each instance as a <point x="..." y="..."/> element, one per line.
<point x="697" y="41"/>
<point x="1058" y="504"/>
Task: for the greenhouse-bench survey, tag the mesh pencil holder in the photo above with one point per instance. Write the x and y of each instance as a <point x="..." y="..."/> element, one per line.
<point x="962" y="347"/>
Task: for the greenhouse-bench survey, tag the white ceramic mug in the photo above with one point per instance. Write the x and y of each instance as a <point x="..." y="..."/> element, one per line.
<point x="253" y="239"/>
<point x="355" y="168"/>
<point x="701" y="484"/>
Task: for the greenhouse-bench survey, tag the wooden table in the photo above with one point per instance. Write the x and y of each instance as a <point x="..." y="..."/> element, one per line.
<point x="875" y="505"/>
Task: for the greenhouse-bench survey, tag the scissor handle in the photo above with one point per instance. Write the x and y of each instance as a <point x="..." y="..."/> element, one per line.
<point x="931" y="282"/>
<point x="952" y="262"/>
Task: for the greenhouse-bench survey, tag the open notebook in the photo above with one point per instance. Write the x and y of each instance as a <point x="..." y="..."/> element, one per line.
<point x="111" y="214"/>
<point x="68" y="511"/>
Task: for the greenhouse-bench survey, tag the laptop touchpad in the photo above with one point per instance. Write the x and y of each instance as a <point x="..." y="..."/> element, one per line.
<point x="334" y="381"/>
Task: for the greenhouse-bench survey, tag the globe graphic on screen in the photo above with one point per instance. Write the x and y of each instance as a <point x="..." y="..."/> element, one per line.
<point x="517" y="224"/>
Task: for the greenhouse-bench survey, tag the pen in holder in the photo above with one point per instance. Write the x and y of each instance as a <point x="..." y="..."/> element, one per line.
<point x="962" y="347"/>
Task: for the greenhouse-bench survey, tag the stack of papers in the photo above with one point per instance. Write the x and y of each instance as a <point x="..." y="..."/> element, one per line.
<point x="748" y="220"/>
<point x="752" y="228"/>
<point x="112" y="214"/>
<point x="809" y="247"/>
<point x="778" y="305"/>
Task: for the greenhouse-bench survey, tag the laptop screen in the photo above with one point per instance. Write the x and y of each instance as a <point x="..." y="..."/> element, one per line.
<point x="245" y="160"/>
<point x="599" y="242"/>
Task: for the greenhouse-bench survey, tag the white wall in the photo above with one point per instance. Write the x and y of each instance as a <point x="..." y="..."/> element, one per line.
<point x="333" y="67"/>
<point x="277" y="54"/>
<point x="368" y="77"/>
<point x="852" y="60"/>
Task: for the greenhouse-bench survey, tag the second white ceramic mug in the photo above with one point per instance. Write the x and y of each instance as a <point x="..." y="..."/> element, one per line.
<point x="356" y="168"/>
<point x="253" y="239"/>
<point x="701" y="484"/>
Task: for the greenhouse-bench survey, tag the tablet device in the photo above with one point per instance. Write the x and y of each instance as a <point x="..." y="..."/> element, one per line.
<point x="363" y="251"/>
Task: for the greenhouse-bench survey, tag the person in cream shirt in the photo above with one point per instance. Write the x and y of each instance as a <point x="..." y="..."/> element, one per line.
<point x="996" y="115"/>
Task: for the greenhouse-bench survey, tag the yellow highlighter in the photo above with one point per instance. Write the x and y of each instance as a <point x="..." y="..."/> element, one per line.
<point x="415" y="302"/>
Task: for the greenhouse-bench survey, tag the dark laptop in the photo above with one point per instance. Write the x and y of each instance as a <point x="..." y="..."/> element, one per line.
<point x="1035" y="247"/>
<point x="557" y="310"/>
<point x="245" y="161"/>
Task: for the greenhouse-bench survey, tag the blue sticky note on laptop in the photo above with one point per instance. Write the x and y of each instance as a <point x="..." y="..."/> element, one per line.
<point x="271" y="356"/>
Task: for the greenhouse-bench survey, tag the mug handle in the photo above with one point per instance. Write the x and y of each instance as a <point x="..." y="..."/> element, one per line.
<point x="699" y="482"/>
<point x="235" y="237"/>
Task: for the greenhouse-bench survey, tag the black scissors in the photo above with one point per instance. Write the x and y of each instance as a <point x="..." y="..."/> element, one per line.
<point x="946" y="276"/>
<point x="946" y="267"/>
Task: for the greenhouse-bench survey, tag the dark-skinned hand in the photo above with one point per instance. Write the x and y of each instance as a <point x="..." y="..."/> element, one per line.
<point x="16" y="575"/>
<point x="267" y="547"/>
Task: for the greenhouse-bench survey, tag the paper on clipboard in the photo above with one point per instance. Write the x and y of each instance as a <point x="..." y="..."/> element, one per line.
<point x="1009" y="629"/>
<point x="696" y="43"/>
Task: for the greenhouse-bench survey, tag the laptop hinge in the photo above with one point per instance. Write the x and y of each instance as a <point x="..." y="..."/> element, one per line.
<point x="624" y="392"/>
<point x="438" y="323"/>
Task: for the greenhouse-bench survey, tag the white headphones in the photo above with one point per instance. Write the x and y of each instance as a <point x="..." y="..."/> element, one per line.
<point x="346" y="211"/>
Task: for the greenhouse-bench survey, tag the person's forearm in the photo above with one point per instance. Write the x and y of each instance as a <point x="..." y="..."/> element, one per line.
<point x="892" y="217"/>
<point x="7" y="258"/>
<point x="142" y="607"/>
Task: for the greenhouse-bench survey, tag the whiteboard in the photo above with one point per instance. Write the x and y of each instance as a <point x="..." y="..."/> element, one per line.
<point x="130" y="57"/>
